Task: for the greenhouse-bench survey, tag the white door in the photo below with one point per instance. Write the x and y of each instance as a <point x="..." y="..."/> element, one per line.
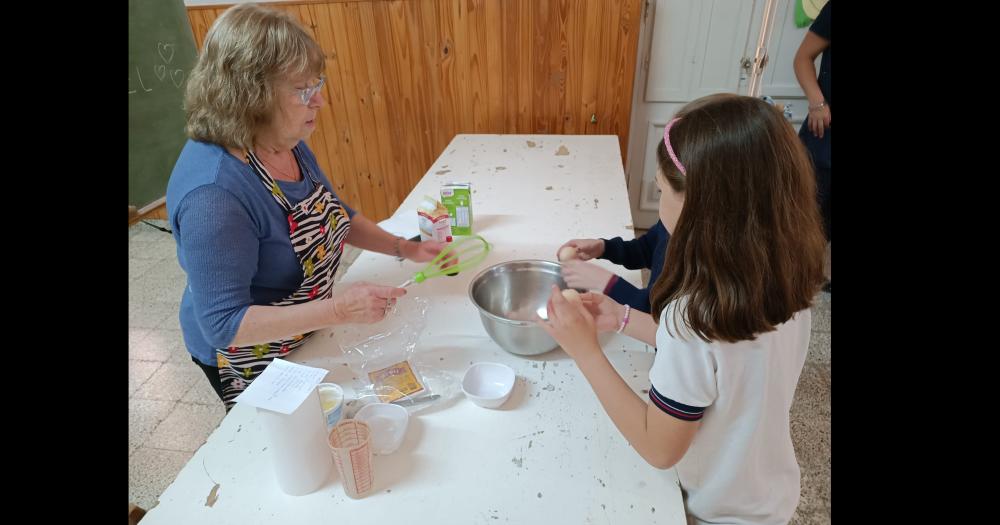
<point x="693" y="48"/>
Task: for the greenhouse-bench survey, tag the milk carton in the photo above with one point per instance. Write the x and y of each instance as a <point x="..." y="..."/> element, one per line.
<point x="433" y="220"/>
<point x="457" y="198"/>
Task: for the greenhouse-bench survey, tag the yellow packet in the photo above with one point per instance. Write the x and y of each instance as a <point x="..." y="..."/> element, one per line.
<point x="400" y="377"/>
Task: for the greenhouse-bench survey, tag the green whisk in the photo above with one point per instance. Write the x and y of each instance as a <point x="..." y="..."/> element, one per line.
<point x="469" y="252"/>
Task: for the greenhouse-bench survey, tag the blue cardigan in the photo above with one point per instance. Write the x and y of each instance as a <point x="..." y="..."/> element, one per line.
<point x="648" y="251"/>
<point x="232" y="241"/>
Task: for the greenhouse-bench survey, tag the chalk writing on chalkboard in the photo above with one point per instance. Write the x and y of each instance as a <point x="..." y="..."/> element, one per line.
<point x="144" y="80"/>
<point x="161" y="56"/>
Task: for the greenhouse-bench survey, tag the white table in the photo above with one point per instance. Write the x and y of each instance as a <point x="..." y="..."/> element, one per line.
<point x="549" y="455"/>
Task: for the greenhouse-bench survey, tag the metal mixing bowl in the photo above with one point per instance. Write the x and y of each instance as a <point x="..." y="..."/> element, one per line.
<point x="508" y="295"/>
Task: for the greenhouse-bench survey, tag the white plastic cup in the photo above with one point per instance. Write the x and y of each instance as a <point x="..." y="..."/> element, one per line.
<point x="331" y="397"/>
<point x="387" y="423"/>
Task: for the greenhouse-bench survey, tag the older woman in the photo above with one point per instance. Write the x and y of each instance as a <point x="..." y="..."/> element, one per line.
<point x="259" y="229"/>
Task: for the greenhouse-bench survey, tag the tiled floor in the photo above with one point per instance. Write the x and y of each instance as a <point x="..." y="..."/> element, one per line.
<point x="172" y="409"/>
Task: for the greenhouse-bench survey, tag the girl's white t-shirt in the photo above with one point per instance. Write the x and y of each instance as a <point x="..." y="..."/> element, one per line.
<point x="740" y="467"/>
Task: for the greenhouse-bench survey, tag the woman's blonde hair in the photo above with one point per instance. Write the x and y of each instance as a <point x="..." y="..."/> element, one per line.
<point x="247" y="51"/>
<point x="747" y="250"/>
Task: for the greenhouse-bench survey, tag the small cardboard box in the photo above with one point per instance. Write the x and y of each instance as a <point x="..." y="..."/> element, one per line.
<point x="433" y="220"/>
<point x="457" y="197"/>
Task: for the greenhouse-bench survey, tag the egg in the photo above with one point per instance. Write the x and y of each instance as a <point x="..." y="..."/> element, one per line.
<point x="572" y="295"/>
<point x="567" y="252"/>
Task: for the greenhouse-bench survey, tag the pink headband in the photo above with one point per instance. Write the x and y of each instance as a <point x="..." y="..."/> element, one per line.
<point x="670" y="150"/>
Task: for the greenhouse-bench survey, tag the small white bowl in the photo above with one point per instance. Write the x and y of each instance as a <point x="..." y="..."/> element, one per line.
<point x="488" y="384"/>
<point x="388" y="425"/>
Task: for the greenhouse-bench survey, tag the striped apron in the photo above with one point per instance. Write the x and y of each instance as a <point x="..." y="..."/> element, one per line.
<point x="317" y="227"/>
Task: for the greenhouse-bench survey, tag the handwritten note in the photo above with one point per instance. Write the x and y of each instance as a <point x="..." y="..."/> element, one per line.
<point x="282" y="386"/>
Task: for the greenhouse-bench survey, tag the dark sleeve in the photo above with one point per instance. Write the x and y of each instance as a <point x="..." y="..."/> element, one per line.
<point x="636" y="254"/>
<point x="623" y="292"/>
<point x="821" y="26"/>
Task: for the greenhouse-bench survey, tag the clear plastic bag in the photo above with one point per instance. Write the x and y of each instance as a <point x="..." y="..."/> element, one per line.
<point x="383" y="357"/>
<point x="370" y="347"/>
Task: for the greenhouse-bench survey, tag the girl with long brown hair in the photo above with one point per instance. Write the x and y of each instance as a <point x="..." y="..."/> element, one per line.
<point x="730" y="313"/>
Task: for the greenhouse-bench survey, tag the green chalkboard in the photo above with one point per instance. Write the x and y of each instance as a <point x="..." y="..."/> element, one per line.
<point x="161" y="53"/>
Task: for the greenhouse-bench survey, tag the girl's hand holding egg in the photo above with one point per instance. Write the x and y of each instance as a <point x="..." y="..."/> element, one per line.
<point x="567" y="253"/>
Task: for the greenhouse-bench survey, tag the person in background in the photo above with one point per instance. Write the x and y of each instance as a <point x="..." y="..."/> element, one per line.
<point x="816" y="131"/>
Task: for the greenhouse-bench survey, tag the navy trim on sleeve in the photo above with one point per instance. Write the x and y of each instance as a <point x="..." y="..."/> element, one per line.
<point x="678" y="410"/>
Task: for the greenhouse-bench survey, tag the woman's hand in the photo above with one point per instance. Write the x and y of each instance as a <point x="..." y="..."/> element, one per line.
<point x="418" y="251"/>
<point x="585" y="275"/>
<point x="364" y="303"/>
<point x="819" y="120"/>
<point x="586" y="248"/>
<point x="571" y="325"/>
<point x="425" y="251"/>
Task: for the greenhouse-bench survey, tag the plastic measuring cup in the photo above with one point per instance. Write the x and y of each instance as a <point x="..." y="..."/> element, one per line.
<point x="350" y="442"/>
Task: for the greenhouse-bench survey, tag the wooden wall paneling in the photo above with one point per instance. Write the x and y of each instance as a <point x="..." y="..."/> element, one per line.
<point x="590" y="64"/>
<point x="574" y="18"/>
<point x="558" y="33"/>
<point x="627" y="57"/>
<point x="411" y="128"/>
<point x="199" y="27"/>
<point x="364" y="90"/>
<point x="609" y="25"/>
<point x="494" y="64"/>
<point x="556" y="67"/>
<point x="525" y="73"/>
<point x="404" y="76"/>
<point x="540" y="45"/>
<point x="381" y="95"/>
<point x="338" y="134"/>
<point x="461" y="66"/>
<point x="509" y="36"/>
<point x="478" y="66"/>
<point x="353" y="106"/>
<point x="446" y="110"/>
<point x="394" y="122"/>
<point x="427" y="79"/>
<point x="607" y="67"/>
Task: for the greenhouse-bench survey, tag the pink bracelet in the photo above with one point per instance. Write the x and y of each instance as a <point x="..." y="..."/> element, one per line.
<point x="621" y="328"/>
